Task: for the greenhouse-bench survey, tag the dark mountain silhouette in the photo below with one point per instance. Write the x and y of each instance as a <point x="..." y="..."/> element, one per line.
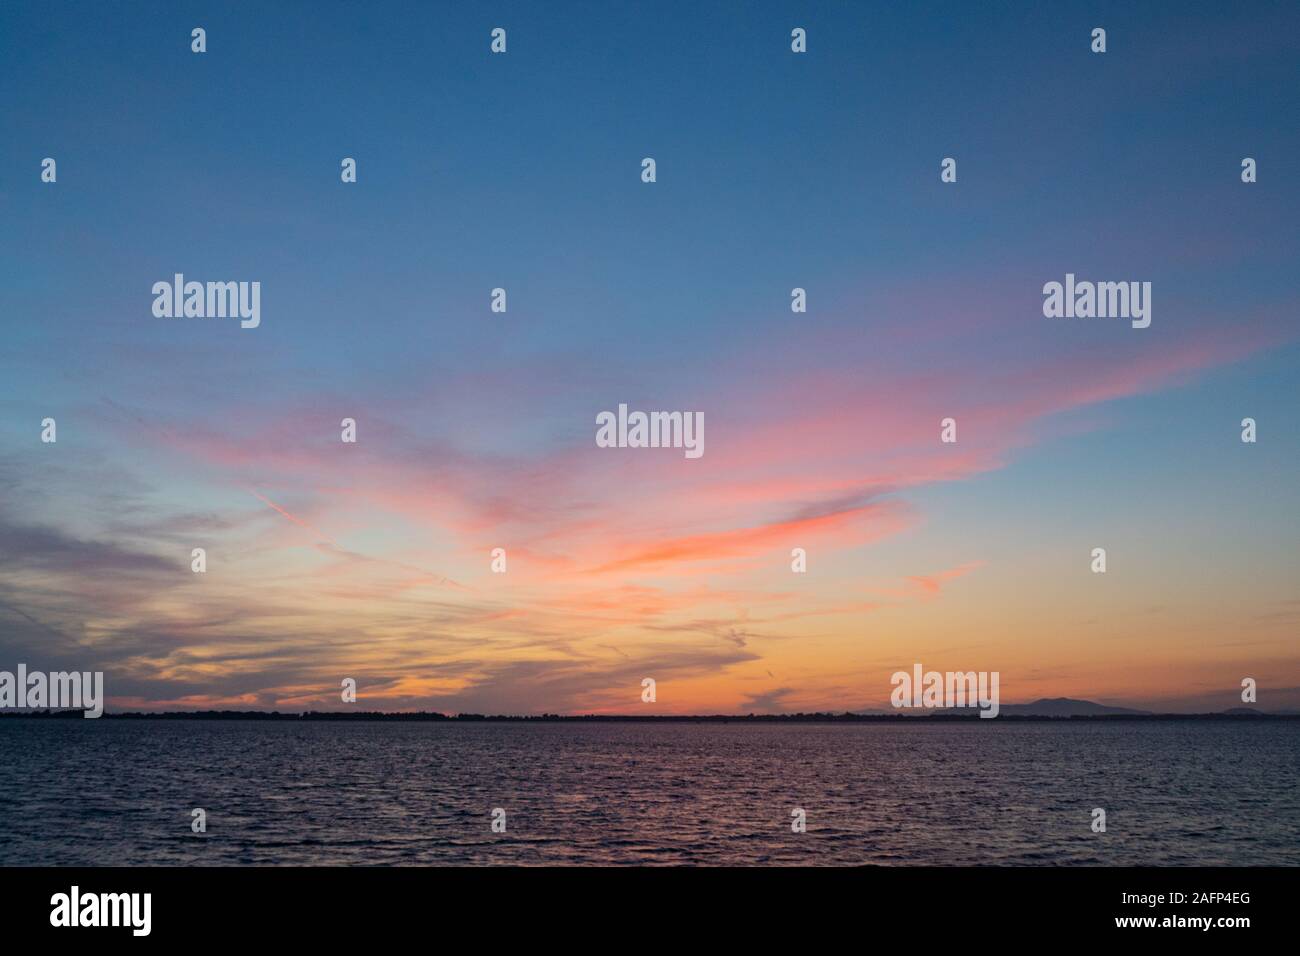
<point x="1068" y="707"/>
<point x="1043" y="707"/>
<point x="1055" y="708"/>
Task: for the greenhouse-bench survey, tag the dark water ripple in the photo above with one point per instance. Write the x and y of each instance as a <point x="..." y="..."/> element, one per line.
<point x="1176" y="793"/>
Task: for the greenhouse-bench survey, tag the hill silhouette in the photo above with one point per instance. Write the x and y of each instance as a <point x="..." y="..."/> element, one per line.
<point x="1053" y="708"/>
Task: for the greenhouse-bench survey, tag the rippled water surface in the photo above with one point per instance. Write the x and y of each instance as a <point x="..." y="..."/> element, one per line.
<point x="114" y="792"/>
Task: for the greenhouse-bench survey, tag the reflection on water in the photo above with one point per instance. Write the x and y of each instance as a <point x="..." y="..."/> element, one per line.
<point x="120" y="792"/>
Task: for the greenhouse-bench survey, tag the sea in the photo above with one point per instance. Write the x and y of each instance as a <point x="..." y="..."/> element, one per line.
<point x="1174" y="792"/>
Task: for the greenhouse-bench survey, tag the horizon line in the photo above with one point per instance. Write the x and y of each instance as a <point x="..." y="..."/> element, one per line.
<point x="1242" y="713"/>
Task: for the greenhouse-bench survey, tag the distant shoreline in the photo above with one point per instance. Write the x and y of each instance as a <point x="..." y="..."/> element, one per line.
<point x="816" y="718"/>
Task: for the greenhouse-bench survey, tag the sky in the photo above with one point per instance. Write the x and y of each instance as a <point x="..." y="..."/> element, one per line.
<point x="476" y="430"/>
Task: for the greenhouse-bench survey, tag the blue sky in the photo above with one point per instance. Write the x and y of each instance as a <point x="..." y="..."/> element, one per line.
<point x="775" y="170"/>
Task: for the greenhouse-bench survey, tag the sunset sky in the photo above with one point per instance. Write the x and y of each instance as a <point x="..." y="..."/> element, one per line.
<point x="476" y="430"/>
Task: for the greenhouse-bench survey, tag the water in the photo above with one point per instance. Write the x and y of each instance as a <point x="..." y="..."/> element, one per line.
<point x="120" y="792"/>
